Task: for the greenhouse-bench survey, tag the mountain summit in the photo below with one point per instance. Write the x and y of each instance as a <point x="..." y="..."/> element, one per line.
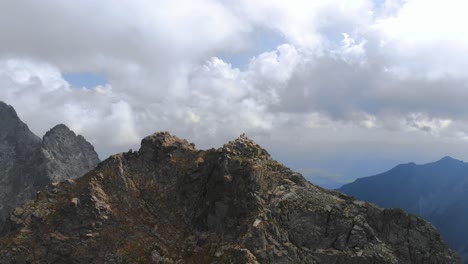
<point x="448" y="160"/>
<point x="67" y="155"/>
<point x="436" y="191"/>
<point x="171" y="203"/>
<point x="28" y="164"/>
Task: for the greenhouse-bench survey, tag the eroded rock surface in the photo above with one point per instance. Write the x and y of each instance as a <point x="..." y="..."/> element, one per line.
<point x="28" y="164"/>
<point x="171" y="203"/>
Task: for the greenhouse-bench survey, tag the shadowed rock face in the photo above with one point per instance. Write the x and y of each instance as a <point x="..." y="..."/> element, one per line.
<point x="171" y="203"/>
<point x="28" y="164"/>
<point x="20" y="161"/>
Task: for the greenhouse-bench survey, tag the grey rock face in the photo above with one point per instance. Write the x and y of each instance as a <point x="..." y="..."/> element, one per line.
<point x="20" y="161"/>
<point x="171" y="203"/>
<point x="67" y="155"/>
<point x="28" y="164"/>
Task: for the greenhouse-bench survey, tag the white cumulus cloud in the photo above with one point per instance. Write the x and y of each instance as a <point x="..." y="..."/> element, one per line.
<point x="352" y="88"/>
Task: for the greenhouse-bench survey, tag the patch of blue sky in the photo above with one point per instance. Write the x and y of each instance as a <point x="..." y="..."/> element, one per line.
<point x="85" y="79"/>
<point x="379" y="3"/>
<point x="262" y="41"/>
<point x="334" y="38"/>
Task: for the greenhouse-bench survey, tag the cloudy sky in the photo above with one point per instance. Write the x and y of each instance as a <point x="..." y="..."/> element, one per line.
<point x="334" y="88"/>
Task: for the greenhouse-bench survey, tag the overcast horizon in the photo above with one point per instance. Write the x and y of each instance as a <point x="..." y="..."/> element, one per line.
<point x="336" y="89"/>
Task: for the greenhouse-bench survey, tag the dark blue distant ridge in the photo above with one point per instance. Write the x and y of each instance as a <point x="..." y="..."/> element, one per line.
<point x="436" y="191"/>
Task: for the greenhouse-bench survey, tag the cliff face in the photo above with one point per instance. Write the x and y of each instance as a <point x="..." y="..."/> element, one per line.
<point x="28" y="164"/>
<point x="171" y="203"/>
<point x="20" y="160"/>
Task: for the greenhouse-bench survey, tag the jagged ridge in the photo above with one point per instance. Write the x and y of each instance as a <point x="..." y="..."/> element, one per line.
<point x="171" y="203"/>
<point x="28" y="164"/>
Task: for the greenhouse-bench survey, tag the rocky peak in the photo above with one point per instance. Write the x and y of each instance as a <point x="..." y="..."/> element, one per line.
<point x="67" y="155"/>
<point x="11" y="126"/>
<point x="7" y="113"/>
<point x="161" y="140"/>
<point x="28" y="163"/>
<point x="58" y="130"/>
<point x="163" y="143"/>
<point x="171" y="203"/>
<point x="62" y="135"/>
<point x="58" y="136"/>
<point x="245" y="147"/>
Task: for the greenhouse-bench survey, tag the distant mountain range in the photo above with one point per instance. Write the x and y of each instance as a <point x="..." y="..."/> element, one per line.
<point x="29" y="163"/>
<point x="436" y="191"/>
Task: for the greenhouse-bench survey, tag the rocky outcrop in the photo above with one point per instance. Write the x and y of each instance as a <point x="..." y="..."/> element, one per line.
<point x="28" y="164"/>
<point x="171" y="203"/>
<point x="67" y="155"/>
